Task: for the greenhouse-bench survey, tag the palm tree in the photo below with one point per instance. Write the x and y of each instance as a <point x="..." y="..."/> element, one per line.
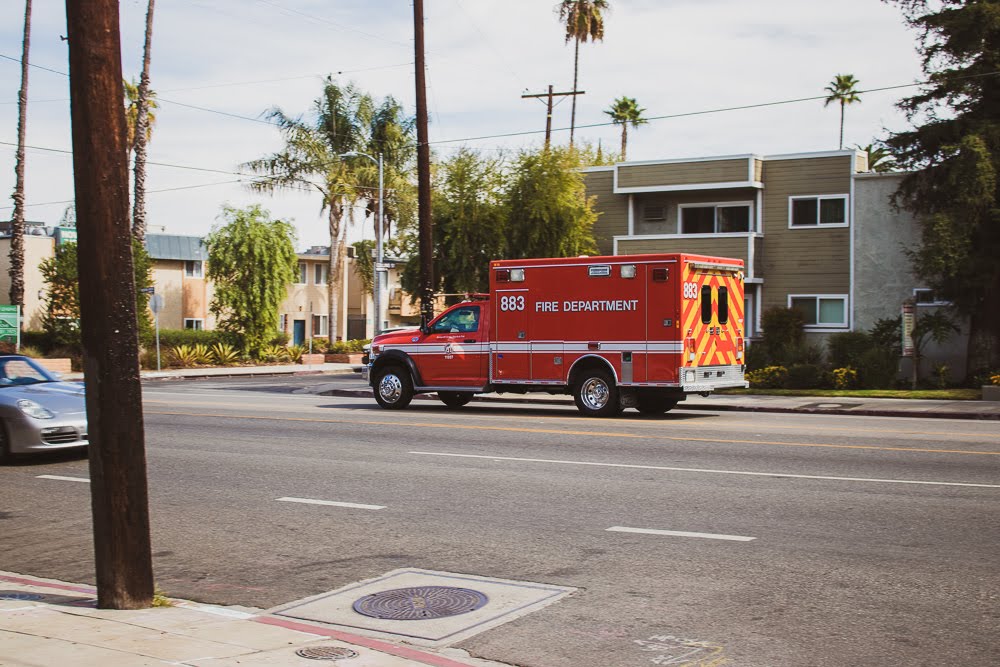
<point x="132" y="114"/>
<point x="584" y="22"/>
<point x="17" y="218"/>
<point x="626" y="111"/>
<point x="142" y="133"/>
<point x="879" y="158"/>
<point x="842" y="89"/>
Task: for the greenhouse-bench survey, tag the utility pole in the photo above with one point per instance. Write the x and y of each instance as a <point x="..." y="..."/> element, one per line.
<point x="548" y="112"/>
<point x="423" y="172"/>
<point x="119" y="496"/>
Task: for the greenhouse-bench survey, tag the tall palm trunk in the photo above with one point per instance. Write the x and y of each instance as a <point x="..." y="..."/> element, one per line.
<point x="624" y="139"/>
<point x="17" y="219"/>
<point x="141" y="131"/>
<point x="576" y="70"/>
<point x="841" y="124"/>
<point x="335" y="270"/>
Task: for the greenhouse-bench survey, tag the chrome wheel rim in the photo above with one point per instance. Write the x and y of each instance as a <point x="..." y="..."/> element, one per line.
<point x="595" y="393"/>
<point x="390" y="388"/>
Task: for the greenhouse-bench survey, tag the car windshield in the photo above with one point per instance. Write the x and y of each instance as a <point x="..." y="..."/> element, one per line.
<point x="19" y="371"/>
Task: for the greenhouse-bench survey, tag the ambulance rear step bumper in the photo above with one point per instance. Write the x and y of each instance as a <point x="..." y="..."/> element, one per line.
<point x="696" y="379"/>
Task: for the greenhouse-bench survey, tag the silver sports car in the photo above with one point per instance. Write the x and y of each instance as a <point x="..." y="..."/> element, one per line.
<point x="38" y="412"/>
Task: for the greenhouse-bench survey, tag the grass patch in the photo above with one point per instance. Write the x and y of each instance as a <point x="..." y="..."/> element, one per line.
<point x="160" y="599"/>
<point x="927" y="394"/>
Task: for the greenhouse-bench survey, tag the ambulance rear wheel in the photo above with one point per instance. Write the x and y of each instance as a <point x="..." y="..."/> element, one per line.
<point x="654" y="403"/>
<point x="596" y="394"/>
<point x="455" y="399"/>
<point x="393" y="388"/>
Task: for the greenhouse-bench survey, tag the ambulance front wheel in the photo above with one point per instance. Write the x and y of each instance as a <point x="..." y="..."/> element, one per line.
<point x="455" y="399"/>
<point x="596" y="394"/>
<point x="393" y="388"/>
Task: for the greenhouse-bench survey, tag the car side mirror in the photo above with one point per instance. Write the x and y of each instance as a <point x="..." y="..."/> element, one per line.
<point x="424" y="329"/>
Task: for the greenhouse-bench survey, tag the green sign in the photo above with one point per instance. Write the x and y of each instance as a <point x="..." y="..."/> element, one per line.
<point x="9" y="324"/>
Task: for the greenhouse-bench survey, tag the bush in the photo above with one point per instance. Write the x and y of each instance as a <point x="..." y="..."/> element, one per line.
<point x="348" y="346"/>
<point x="804" y="376"/>
<point x="758" y="356"/>
<point x="844" y="378"/>
<point x="184" y="355"/>
<point x="771" y="377"/>
<point x="802" y="353"/>
<point x="782" y="327"/>
<point x="320" y="345"/>
<point x="295" y="353"/>
<point x="844" y="350"/>
<point x="877" y="369"/>
<point x="225" y="354"/>
<point x="175" y="337"/>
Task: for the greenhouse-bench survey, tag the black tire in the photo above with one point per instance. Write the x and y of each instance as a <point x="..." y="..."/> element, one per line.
<point x="393" y="388"/>
<point x="596" y="394"/>
<point x="455" y="399"/>
<point x="655" y="403"/>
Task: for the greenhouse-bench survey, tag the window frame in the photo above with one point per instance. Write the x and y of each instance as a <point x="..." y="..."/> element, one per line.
<point x="846" y="198"/>
<point x="322" y="269"/>
<point x="199" y="320"/>
<point x="189" y="264"/>
<point x="302" y="273"/>
<point x="825" y="326"/>
<point x="715" y="206"/>
<point x="936" y="303"/>
<point x="324" y="325"/>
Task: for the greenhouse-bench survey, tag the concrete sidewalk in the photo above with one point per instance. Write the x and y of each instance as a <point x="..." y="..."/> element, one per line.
<point x="46" y="622"/>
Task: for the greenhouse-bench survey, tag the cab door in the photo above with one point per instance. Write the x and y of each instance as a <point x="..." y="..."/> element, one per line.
<point x="454" y="351"/>
<point x="511" y="354"/>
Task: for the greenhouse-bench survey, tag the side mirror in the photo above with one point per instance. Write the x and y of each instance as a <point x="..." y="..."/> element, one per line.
<point x="424" y="329"/>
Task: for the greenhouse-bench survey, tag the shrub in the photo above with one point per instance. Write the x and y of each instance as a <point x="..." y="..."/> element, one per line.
<point x="782" y="327"/>
<point x="272" y="353"/>
<point x="175" y="337"/>
<point x="202" y="354"/>
<point x="183" y="355"/>
<point x="940" y="374"/>
<point x="804" y="376"/>
<point x="348" y="346"/>
<point x="771" y="377"/>
<point x="758" y="356"/>
<point x="225" y="354"/>
<point x="844" y="349"/>
<point x="844" y="378"/>
<point x="281" y="338"/>
<point x="802" y="353"/>
<point x="294" y="353"/>
<point x="31" y="351"/>
<point x="877" y="369"/>
<point x="320" y="345"/>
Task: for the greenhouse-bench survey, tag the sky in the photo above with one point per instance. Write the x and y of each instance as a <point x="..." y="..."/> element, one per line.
<point x="218" y="65"/>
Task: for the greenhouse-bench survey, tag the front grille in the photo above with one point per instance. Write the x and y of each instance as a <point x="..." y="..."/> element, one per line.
<point x="60" y="435"/>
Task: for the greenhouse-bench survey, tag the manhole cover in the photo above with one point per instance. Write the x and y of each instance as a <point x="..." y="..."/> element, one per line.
<point x="420" y="603"/>
<point x="326" y="653"/>
<point x="26" y="597"/>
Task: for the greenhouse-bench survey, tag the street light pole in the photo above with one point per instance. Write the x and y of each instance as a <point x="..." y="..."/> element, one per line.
<point x="379" y="259"/>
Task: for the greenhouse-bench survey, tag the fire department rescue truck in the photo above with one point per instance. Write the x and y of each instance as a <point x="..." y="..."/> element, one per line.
<point x="616" y="332"/>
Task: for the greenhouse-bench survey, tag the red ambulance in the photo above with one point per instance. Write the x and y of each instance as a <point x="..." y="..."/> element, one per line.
<point x="616" y="332"/>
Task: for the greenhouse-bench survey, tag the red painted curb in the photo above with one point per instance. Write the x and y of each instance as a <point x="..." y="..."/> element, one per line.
<point x="48" y="584"/>
<point x="367" y="642"/>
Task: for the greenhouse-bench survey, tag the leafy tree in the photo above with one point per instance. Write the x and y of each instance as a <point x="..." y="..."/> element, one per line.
<point x="548" y="211"/>
<point x="880" y="159"/>
<point x="252" y="261"/>
<point x="16" y="271"/>
<point x="953" y="153"/>
<point x="141" y="133"/>
<point x="626" y="111"/>
<point x="584" y="21"/>
<point x="843" y="91"/>
<point x="364" y="266"/>
<point x="344" y="120"/>
<point x="61" y="320"/>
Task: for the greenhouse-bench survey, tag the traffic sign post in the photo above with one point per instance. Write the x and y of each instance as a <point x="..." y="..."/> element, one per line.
<point x="156" y="305"/>
<point x="10" y="326"/>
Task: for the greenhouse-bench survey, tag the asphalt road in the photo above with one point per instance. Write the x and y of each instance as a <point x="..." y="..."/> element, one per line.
<point x="805" y="539"/>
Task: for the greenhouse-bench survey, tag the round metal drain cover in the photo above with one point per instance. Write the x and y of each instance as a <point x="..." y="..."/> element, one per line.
<point x="326" y="653"/>
<point x="24" y="597"/>
<point x="420" y="603"/>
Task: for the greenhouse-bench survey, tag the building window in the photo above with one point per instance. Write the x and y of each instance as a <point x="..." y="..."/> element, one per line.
<point x="194" y="323"/>
<point x="283" y="322"/>
<point x="319" y="326"/>
<point x="653" y="213"/>
<point x="715" y="218"/>
<point x="303" y="275"/>
<point x="193" y="269"/>
<point x="319" y="274"/>
<point x="923" y="296"/>
<point x="818" y="211"/>
<point x="820" y="310"/>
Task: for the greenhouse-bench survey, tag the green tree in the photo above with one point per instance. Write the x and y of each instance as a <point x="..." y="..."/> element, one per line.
<point x="584" y="21"/>
<point x="548" y="211"/>
<point x="252" y="261"/>
<point x="953" y="154"/>
<point x="364" y="265"/>
<point x="880" y="159"/>
<point x="61" y="320"/>
<point x="626" y="111"/>
<point x="843" y="90"/>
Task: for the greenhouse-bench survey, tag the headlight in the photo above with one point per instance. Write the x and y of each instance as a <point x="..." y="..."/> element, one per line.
<point x="33" y="409"/>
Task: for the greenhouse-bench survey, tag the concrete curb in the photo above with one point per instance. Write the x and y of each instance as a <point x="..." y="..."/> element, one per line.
<point x="866" y="412"/>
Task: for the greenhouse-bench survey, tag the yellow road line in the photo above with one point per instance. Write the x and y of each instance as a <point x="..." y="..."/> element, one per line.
<point x="596" y="434"/>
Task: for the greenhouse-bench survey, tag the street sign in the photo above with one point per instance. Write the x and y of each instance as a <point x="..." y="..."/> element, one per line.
<point x="909" y="321"/>
<point x="10" y="324"/>
<point x="148" y="290"/>
<point x="156" y="303"/>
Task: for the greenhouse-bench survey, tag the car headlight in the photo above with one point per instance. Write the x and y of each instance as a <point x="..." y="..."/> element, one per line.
<point x="33" y="409"/>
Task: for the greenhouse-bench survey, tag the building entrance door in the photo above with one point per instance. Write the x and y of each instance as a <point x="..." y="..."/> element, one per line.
<point x="298" y="332"/>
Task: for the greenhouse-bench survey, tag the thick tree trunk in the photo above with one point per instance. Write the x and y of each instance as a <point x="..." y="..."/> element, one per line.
<point x="141" y="132"/>
<point x="624" y="140"/>
<point x="335" y="271"/>
<point x="572" y="113"/>
<point x="119" y="495"/>
<point x="17" y="218"/>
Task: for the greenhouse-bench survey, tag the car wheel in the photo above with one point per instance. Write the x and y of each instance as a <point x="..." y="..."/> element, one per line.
<point x="455" y="399"/>
<point x="655" y="403"/>
<point x="393" y="388"/>
<point x="596" y="394"/>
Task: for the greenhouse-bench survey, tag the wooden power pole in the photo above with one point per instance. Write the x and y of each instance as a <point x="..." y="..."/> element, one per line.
<point x="119" y="496"/>
<point x="548" y="107"/>
<point x="424" y="219"/>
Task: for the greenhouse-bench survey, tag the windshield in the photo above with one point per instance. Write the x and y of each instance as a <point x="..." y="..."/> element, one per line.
<point x="18" y="371"/>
